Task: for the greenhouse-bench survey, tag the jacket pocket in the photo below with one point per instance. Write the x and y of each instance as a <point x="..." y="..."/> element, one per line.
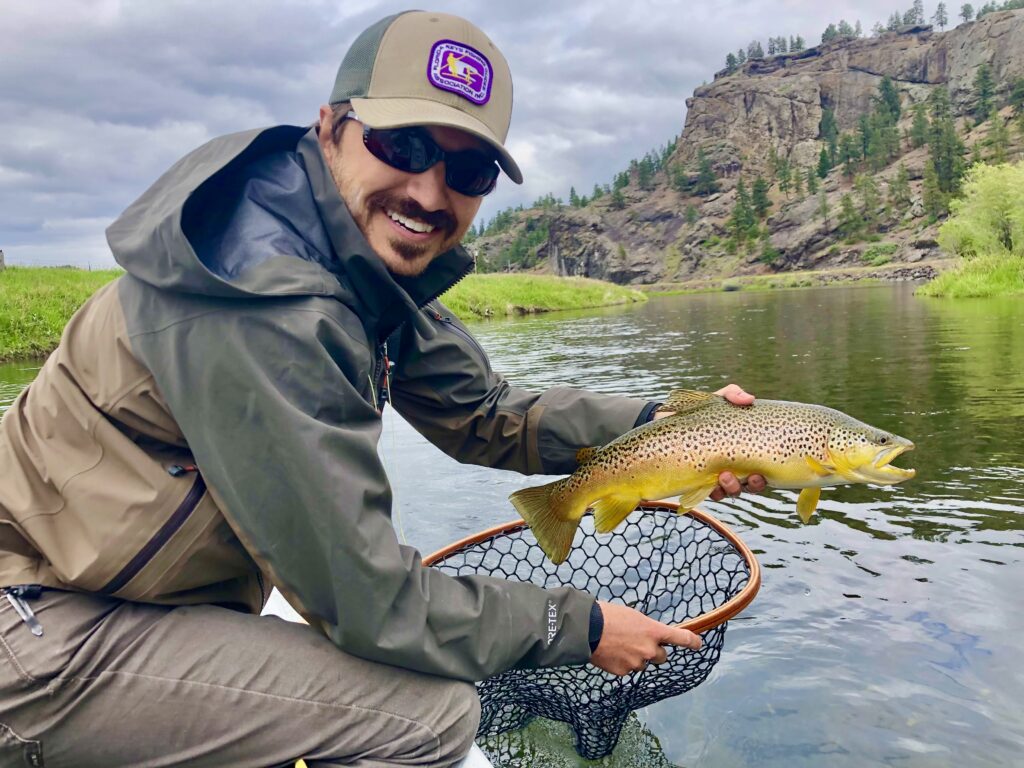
<point x="15" y="750"/>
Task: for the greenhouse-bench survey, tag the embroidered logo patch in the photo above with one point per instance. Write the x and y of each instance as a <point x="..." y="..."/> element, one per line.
<point x="458" y="68"/>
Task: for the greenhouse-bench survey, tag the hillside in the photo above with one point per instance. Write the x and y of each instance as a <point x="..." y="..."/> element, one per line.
<point x="773" y="117"/>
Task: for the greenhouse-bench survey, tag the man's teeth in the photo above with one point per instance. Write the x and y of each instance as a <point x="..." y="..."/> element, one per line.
<point x="413" y="224"/>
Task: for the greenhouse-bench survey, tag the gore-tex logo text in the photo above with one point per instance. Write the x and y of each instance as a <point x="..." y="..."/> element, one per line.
<point x="552" y="621"/>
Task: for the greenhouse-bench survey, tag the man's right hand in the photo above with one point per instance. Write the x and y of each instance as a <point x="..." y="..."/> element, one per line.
<point x="630" y="640"/>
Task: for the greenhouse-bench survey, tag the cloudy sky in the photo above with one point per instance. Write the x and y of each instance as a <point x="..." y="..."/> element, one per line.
<point x="98" y="97"/>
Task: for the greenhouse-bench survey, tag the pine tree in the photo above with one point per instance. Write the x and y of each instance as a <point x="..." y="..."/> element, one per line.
<point x="878" y="30"/>
<point x="691" y="215"/>
<point x="845" y="30"/>
<point x="849" y="153"/>
<point x="618" y="201"/>
<point x="823" y="209"/>
<point x="918" y="10"/>
<point x="797" y="45"/>
<point x="830" y="34"/>
<point x="754" y="50"/>
<point x="798" y="183"/>
<point x="731" y="63"/>
<point x="998" y="138"/>
<point x="574" y="199"/>
<point x="870" y="201"/>
<point x="824" y="165"/>
<point x="759" y="197"/>
<point x="966" y="12"/>
<point x="707" y="182"/>
<point x="598" y="192"/>
<point x="741" y="56"/>
<point x="984" y="88"/>
<point x="771" y="46"/>
<point x="812" y="182"/>
<point x="742" y="221"/>
<point x="888" y="99"/>
<point x="781" y="45"/>
<point x="895" y="21"/>
<point x="935" y="202"/>
<point x="784" y="173"/>
<point x="858" y="30"/>
<point x="830" y="134"/>
<point x="850" y="222"/>
<point x="940" y="19"/>
<point x="919" y="128"/>
<point x="1017" y="95"/>
<point x="899" y="190"/>
<point x="945" y="149"/>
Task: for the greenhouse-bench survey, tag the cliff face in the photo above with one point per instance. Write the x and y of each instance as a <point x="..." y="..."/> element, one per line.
<point x="776" y="104"/>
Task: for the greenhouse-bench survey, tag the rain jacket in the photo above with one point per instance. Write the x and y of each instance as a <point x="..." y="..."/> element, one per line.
<point x="208" y="426"/>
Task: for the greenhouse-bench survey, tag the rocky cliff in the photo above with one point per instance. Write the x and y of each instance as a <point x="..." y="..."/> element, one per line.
<point x="775" y="106"/>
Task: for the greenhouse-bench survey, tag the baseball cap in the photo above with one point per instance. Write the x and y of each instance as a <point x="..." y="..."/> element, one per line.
<point x="424" y="68"/>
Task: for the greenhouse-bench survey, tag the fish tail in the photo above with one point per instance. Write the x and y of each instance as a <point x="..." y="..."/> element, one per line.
<point x="553" y="526"/>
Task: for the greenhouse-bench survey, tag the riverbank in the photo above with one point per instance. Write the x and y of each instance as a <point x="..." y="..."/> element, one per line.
<point x="37" y="302"/>
<point x="898" y="272"/>
<point x="504" y="295"/>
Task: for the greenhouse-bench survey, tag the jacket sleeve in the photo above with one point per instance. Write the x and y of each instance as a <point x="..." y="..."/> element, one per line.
<point x="275" y="407"/>
<point x="444" y="386"/>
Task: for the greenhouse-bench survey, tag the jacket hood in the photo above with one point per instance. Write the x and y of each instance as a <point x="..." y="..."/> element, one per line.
<point x="257" y="214"/>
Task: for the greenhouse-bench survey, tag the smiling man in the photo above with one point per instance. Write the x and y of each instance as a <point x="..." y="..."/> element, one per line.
<point x="208" y="429"/>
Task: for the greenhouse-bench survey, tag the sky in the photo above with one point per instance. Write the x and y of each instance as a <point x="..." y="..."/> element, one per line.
<point x="99" y="97"/>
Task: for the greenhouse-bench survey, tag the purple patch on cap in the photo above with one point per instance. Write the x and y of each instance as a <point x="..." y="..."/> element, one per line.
<point x="461" y="69"/>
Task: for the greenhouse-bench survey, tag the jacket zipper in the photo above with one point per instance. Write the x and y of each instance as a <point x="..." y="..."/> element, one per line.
<point x="161" y="537"/>
<point x="458" y="331"/>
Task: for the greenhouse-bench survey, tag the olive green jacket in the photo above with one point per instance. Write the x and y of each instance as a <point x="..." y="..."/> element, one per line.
<point x="208" y="425"/>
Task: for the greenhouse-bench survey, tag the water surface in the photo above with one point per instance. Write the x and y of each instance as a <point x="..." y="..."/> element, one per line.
<point x="888" y="630"/>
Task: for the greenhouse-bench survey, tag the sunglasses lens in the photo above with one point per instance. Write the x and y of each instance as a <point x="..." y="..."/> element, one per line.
<point x="471" y="173"/>
<point x="411" y="150"/>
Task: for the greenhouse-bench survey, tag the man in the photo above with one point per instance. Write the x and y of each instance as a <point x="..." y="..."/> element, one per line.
<point x="208" y="428"/>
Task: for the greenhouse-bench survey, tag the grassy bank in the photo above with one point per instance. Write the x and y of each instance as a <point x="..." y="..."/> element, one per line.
<point x="980" y="277"/>
<point x="481" y="296"/>
<point x="36" y="303"/>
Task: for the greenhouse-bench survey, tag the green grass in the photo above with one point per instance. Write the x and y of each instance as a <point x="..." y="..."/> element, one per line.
<point x="481" y="296"/>
<point x="36" y="303"/>
<point x="998" y="274"/>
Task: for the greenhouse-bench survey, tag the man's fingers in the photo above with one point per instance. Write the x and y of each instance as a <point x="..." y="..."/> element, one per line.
<point x="729" y="484"/>
<point x="684" y="638"/>
<point x="756" y="483"/>
<point x="735" y="395"/>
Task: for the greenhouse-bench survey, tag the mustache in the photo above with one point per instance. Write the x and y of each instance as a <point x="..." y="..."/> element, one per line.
<point x="442" y="220"/>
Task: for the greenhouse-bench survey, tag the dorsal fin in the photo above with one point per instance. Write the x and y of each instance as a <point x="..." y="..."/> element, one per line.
<point x="583" y="455"/>
<point x="685" y="400"/>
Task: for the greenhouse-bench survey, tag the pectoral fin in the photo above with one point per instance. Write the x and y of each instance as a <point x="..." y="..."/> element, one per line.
<point x="692" y="498"/>
<point x="807" y="502"/>
<point x="818" y="467"/>
<point x="612" y="510"/>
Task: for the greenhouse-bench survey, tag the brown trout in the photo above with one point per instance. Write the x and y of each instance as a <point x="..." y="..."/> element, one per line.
<point x="793" y="445"/>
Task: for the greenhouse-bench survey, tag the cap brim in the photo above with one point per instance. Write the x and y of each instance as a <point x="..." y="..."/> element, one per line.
<point x="400" y="113"/>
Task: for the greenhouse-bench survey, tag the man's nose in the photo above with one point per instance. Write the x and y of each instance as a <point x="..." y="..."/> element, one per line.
<point x="429" y="188"/>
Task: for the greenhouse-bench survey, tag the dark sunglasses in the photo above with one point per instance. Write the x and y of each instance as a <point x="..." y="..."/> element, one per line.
<point x="413" y="150"/>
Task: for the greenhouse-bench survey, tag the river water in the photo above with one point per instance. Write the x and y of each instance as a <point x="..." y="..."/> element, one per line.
<point x="889" y="630"/>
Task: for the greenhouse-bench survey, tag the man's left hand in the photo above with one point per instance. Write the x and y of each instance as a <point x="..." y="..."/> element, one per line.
<point x="728" y="483"/>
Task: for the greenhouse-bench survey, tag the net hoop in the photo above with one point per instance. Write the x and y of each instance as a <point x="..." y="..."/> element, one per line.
<point x="709" y="620"/>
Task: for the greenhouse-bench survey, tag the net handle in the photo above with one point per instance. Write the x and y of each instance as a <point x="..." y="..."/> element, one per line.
<point x="705" y="621"/>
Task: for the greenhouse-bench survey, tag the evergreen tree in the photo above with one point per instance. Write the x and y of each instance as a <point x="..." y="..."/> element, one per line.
<point x="823" y="209"/>
<point x="781" y="46"/>
<point x="784" y="173"/>
<point x="824" y="165"/>
<point x="771" y="46"/>
<point x="918" y="9"/>
<point x="919" y="128"/>
<point x="691" y="215"/>
<point x="759" y="197"/>
<point x="731" y="63"/>
<point x="878" y="30"/>
<point x="741" y="56"/>
<point x="870" y="201"/>
<point x="945" y="150"/>
<point x="935" y="202"/>
<point x="812" y="182"/>
<point x="984" y="88"/>
<point x="797" y="45"/>
<point x="966" y="12"/>
<point x="798" y="183"/>
<point x="899" y="190"/>
<point x="598" y="192"/>
<point x="769" y="253"/>
<point x="645" y="174"/>
<point x="829" y="131"/>
<point x="707" y="182"/>
<point x="849" y="153"/>
<point x="574" y="199"/>
<point x="742" y="222"/>
<point x="998" y="138"/>
<point x="858" y="30"/>
<point x="754" y="50"/>
<point x="830" y="34"/>
<point x="618" y="201"/>
<point x="850" y="223"/>
<point x="845" y="30"/>
<point x="1017" y="95"/>
<point x="940" y="19"/>
<point x="895" y="21"/>
<point x="888" y="99"/>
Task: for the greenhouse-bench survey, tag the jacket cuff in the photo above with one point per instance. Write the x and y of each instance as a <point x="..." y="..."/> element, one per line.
<point x="596" y="626"/>
<point x="646" y="414"/>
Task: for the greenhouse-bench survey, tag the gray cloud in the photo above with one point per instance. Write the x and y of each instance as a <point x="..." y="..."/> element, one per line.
<point x="98" y="98"/>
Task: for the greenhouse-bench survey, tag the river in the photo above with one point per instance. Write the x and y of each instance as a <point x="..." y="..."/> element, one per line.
<point x="888" y="630"/>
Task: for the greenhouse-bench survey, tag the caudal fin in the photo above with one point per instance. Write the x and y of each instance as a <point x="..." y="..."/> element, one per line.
<point x="554" y="533"/>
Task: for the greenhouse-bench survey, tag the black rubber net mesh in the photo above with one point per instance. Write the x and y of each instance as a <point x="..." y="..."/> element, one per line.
<point x="671" y="567"/>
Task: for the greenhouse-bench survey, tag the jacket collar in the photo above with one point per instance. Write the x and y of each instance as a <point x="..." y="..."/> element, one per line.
<point x="388" y="300"/>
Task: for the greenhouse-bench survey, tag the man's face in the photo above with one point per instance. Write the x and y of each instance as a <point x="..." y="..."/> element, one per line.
<point x="380" y="197"/>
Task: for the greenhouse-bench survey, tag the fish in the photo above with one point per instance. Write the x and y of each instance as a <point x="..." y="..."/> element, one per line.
<point x="793" y="445"/>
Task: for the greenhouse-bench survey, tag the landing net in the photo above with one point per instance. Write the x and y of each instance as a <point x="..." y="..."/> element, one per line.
<point x="689" y="570"/>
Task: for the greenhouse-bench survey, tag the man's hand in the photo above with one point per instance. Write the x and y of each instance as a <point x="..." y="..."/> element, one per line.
<point x="630" y="640"/>
<point x="728" y="484"/>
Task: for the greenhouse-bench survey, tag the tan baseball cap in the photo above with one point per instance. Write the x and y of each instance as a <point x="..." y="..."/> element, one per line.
<point x="422" y="68"/>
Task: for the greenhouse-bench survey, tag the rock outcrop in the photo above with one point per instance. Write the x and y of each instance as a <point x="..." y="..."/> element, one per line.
<point x="775" y="105"/>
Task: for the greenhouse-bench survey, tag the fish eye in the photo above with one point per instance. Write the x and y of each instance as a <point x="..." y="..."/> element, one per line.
<point x="883" y="440"/>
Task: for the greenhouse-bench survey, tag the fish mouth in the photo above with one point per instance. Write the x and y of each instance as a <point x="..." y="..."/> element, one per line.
<point x="883" y="466"/>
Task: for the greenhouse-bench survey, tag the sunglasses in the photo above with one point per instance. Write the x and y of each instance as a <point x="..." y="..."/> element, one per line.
<point x="413" y="150"/>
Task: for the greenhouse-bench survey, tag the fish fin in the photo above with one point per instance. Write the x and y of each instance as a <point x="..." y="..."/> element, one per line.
<point x="842" y="466"/>
<point x="818" y="467"/>
<point x="807" y="502"/>
<point x="583" y="455"/>
<point x="609" y="511"/>
<point x="695" y="496"/>
<point x="553" y="531"/>
<point x="685" y="400"/>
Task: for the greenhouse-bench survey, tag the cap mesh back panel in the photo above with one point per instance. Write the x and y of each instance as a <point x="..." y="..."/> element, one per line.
<point x="354" y="73"/>
<point x="671" y="567"/>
